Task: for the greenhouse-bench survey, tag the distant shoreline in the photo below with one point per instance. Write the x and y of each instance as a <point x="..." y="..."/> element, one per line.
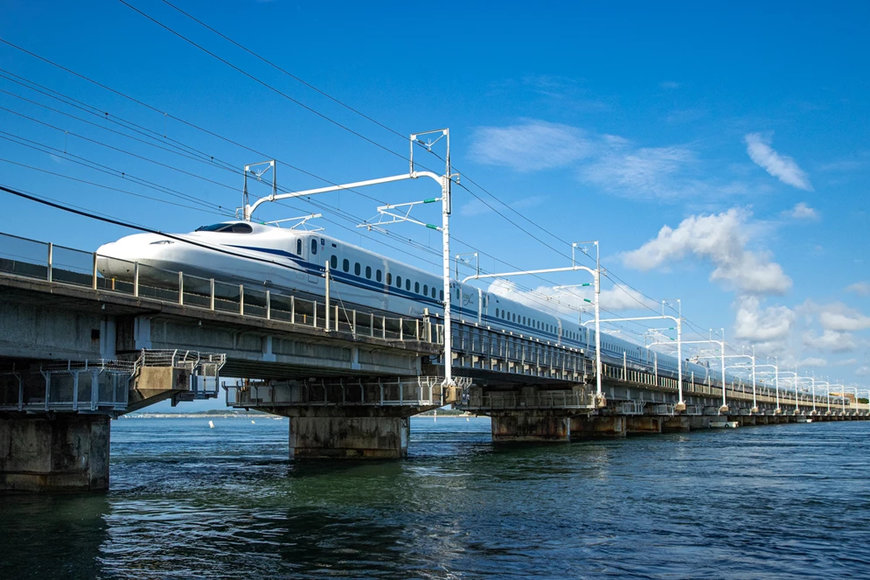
<point x="249" y="415"/>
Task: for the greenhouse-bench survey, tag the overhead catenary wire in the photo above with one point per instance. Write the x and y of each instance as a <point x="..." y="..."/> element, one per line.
<point x="356" y="133"/>
<point x="174" y="117"/>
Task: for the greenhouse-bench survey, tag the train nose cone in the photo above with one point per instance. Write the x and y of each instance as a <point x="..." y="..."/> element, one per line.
<point x="116" y="259"/>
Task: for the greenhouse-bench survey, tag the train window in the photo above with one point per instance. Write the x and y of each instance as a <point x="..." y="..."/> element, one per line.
<point x="389" y="278"/>
<point x="407" y="284"/>
<point x="333" y="261"/>
<point x="496" y="312"/>
<point x="234" y="228"/>
<point x="378" y="275"/>
<point x="356" y="268"/>
<point x="368" y="272"/>
<point x="313" y="246"/>
<point x="416" y="287"/>
<point x="345" y="265"/>
<point x="398" y="281"/>
<point x="425" y="289"/>
<point x="440" y="295"/>
<point x="433" y="291"/>
<point x="299" y="246"/>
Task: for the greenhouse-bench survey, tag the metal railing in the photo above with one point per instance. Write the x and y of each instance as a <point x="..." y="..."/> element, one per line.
<point x="87" y="387"/>
<point x="482" y="401"/>
<point x="420" y="391"/>
<point x="59" y="264"/>
<point x="101" y="386"/>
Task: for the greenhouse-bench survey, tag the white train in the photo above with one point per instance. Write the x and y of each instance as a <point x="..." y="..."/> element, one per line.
<point x="293" y="262"/>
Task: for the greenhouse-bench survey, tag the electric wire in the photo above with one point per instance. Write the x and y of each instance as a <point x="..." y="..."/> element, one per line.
<point x="295" y="101"/>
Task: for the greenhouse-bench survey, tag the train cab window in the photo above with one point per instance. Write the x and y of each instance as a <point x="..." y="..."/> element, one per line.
<point x="398" y="281"/>
<point x="378" y="275"/>
<point x="368" y="272"/>
<point x="416" y="287"/>
<point x="298" y="246"/>
<point x="356" y="268"/>
<point x="333" y="262"/>
<point x="313" y="246"/>
<point x="233" y="228"/>
<point x="345" y="265"/>
<point x="389" y="278"/>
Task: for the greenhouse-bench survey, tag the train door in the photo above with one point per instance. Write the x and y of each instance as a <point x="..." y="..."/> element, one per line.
<point x="316" y="259"/>
<point x="482" y="300"/>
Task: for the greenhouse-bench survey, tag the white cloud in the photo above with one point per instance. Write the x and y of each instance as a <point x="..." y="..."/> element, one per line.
<point x="860" y="288"/>
<point x="530" y="146"/>
<point x="640" y="172"/>
<point x="610" y="162"/>
<point x="830" y="340"/>
<point x="782" y="167"/>
<point x="802" y="211"/>
<point x="721" y="239"/>
<point x="570" y="302"/>
<point x="840" y="318"/>
<point x="812" y="362"/>
<point x="756" y="324"/>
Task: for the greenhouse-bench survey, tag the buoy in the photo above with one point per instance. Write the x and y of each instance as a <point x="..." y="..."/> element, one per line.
<point x="211" y="424"/>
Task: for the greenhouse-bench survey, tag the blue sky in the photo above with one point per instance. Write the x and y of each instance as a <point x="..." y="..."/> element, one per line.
<point x="718" y="151"/>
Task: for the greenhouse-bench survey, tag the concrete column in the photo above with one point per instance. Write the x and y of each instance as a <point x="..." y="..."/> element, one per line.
<point x="317" y="435"/>
<point x="529" y="426"/>
<point x="63" y="453"/>
<point x="675" y="424"/>
<point x="598" y="427"/>
<point x="699" y="421"/>
<point x="644" y="425"/>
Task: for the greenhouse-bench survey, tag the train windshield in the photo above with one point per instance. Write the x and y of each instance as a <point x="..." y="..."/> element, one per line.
<point x="231" y="228"/>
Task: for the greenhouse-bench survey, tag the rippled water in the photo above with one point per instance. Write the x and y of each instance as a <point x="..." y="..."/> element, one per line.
<point x="189" y="501"/>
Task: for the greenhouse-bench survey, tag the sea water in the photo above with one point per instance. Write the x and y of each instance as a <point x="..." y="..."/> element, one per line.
<point x="187" y="500"/>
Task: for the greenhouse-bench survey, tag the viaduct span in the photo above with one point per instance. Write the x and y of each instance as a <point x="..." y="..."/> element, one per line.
<point x="77" y="349"/>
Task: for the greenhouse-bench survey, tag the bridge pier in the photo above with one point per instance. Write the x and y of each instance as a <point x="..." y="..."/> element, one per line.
<point x="346" y="433"/>
<point x="54" y="452"/>
<point x="644" y="425"/>
<point x="530" y="426"/>
<point x="593" y="427"/>
<point x="676" y="424"/>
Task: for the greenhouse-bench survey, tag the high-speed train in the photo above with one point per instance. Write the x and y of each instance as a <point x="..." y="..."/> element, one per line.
<point x="293" y="262"/>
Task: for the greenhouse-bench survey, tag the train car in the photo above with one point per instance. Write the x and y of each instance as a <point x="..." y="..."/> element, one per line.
<point x="294" y="262"/>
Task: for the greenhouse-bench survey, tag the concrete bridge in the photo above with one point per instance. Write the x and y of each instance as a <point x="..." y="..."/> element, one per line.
<point x="77" y="349"/>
